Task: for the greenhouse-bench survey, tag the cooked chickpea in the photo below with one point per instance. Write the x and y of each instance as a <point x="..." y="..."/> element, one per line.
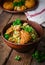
<point x="23" y="8"/>
<point x="15" y="8"/>
<point x="25" y="24"/>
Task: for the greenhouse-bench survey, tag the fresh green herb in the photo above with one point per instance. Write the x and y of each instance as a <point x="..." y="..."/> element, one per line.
<point x="20" y="3"/>
<point x="17" y="22"/>
<point x="17" y="58"/>
<point x="28" y="28"/>
<point x="6" y="36"/>
<point x="39" y="56"/>
<point x="35" y="55"/>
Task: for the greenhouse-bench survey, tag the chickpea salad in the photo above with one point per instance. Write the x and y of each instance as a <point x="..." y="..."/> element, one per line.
<point x="20" y="33"/>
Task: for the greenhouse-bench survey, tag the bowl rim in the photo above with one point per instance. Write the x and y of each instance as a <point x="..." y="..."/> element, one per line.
<point x="21" y="44"/>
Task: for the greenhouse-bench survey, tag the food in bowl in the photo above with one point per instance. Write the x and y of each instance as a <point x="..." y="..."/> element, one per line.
<point x="8" y="5"/>
<point x="20" y="33"/>
<point x="19" y="5"/>
<point x="29" y="3"/>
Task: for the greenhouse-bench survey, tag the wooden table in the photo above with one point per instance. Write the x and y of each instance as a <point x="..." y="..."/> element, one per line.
<point x="6" y="53"/>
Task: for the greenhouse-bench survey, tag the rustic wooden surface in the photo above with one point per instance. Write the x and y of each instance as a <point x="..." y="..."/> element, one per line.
<point x="25" y="58"/>
<point x="1" y="10"/>
<point x="4" y="49"/>
<point x="6" y="53"/>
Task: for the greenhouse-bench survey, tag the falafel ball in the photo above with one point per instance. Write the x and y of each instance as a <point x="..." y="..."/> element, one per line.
<point x="30" y="3"/>
<point x="8" y="5"/>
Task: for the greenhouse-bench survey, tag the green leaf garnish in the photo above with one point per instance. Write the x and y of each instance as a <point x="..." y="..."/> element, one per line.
<point x="19" y="3"/>
<point x="28" y="28"/>
<point x="17" y="22"/>
<point x="39" y="56"/>
<point x="17" y="58"/>
<point x="6" y="36"/>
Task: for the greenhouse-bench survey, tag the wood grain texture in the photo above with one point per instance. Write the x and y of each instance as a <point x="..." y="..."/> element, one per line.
<point x="1" y="11"/>
<point x="25" y="58"/>
<point x="15" y="16"/>
<point x="34" y="62"/>
<point x="4" y="18"/>
<point x="4" y="49"/>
